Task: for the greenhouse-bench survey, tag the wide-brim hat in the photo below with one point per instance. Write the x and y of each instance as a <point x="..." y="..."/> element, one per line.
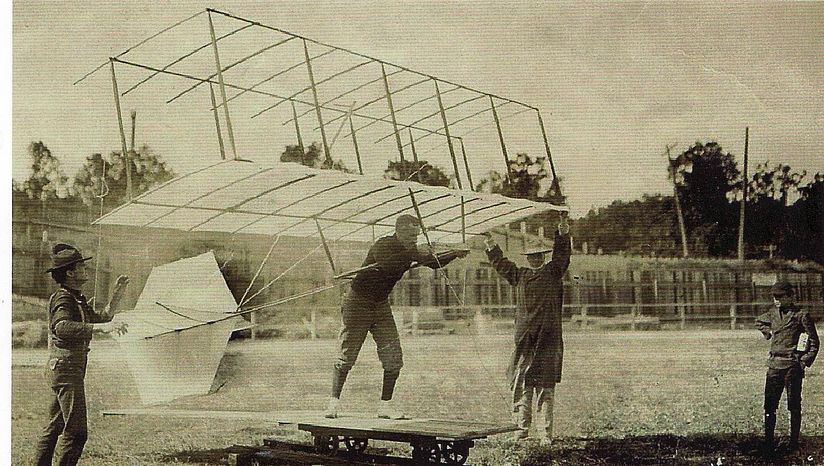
<point x="536" y="250"/>
<point x="64" y="255"/>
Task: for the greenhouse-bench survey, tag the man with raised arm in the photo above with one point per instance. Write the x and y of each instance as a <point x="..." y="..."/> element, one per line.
<point x="71" y="324"/>
<point x="537" y="360"/>
<point x="366" y="309"/>
<point x="793" y="347"/>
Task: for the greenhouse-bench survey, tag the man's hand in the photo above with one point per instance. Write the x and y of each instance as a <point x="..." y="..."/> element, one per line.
<point x="119" y="289"/>
<point x="767" y="335"/>
<point x="120" y="328"/>
<point x="563" y="227"/>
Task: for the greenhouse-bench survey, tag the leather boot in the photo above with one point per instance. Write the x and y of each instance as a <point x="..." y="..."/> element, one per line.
<point x="769" y="433"/>
<point x="795" y="429"/>
<point x="523" y="418"/>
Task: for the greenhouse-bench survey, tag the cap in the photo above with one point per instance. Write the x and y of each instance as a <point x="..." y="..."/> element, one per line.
<point x="64" y="255"/>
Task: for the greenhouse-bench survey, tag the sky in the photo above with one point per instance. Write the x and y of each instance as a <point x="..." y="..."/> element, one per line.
<point x="615" y="82"/>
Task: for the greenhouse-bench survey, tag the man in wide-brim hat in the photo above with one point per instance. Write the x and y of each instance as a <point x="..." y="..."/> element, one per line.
<point x="794" y="346"/>
<point x="537" y="360"/>
<point x="72" y="320"/>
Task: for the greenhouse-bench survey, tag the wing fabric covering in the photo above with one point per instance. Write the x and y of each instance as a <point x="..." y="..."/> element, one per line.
<point x="285" y="199"/>
<point x="171" y="354"/>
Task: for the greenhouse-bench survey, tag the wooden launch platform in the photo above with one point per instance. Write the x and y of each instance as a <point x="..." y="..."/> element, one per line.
<point x="344" y="440"/>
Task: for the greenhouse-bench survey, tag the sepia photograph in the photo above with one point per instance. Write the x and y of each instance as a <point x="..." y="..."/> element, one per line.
<point x="368" y="232"/>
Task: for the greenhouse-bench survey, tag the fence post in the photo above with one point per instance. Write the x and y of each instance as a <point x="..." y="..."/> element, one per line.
<point x="253" y="321"/>
<point x="583" y="316"/>
<point x="682" y="313"/>
<point x="313" y="329"/>
<point x="733" y="316"/>
<point x="633" y="313"/>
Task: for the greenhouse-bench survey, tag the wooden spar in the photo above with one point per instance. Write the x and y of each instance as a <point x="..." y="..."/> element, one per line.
<point x="326" y="247"/>
<point x="392" y="111"/>
<point x="268" y="94"/>
<point x="448" y="137"/>
<point x="297" y="127"/>
<point x="126" y="155"/>
<point x="180" y="59"/>
<point x="263" y="81"/>
<point x="409" y="70"/>
<point x="378" y="99"/>
<point x="355" y="143"/>
<point x="276" y="104"/>
<point x="139" y="44"/>
<point x="238" y="62"/>
<point x="354" y="89"/>
<point x="217" y="122"/>
<point x="548" y="153"/>
<point x="466" y="164"/>
<point x="222" y="87"/>
<point x="420" y="217"/>
<point x="317" y="105"/>
<point x="412" y="144"/>
<point x="501" y="138"/>
<point x="424" y="118"/>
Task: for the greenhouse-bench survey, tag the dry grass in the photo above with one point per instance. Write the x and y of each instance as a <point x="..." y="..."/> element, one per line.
<point x="627" y="398"/>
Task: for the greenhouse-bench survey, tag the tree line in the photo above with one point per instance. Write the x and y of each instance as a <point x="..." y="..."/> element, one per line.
<point x="784" y="208"/>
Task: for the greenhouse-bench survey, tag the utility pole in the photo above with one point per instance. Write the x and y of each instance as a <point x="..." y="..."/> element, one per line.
<point x="680" y="214"/>
<point x="743" y="198"/>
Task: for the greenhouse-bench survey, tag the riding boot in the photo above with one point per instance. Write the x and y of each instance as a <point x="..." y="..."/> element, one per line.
<point x="523" y="418"/>
<point x="769" y="433"/>
<point x="795" y="429"/>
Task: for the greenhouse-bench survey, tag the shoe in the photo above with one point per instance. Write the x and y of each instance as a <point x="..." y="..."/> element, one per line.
<point x="332" y="408"/>
<point x="386" y="410"/>
<point x="522" y="435"/>
<point x="546" y="441"/>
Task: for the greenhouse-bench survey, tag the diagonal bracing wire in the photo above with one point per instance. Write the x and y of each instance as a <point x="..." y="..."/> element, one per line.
<point x="269" y="94"/>
<point x="471" y="99"/>
<point x="382" y="97"/>
<point x="185" y="56"/>
<point x="141" y="43"/>
<point x="344" y="95"/>
<point x="280" y="73"/>
<point x="230" y="66"/>
<point x="271" y="107"/>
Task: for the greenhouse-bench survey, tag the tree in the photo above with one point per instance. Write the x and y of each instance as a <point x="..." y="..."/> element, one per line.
<point x="46" y="181"/>
<point x="643" y="227"/>
<point x="707" y="179"/>
<point x="311" y="157"/>
<point x="528" y="179"/>
<point x="148" y="170"/>
<point x="775" y="183"/>
<point x="419" y="171"/>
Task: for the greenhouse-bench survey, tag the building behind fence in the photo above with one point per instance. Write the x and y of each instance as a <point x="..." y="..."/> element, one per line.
<point x="599" y="289"/>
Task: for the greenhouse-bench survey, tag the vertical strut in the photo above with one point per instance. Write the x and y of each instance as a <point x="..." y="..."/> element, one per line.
<point x="297" y="127"/>
<point x="222" y="87"/>
<point x="355" y="143"/>
<point x="448" y="136"/>
<point x="501" y="138"/>
<point x="548" y="153"/>
<point x="392" y="110"/>
<point x="217" y="122"/>
<point x="412" y="143"/>
<point x="317" y="104"/>
<point x="126" y="155"/>
<point x="466" y="164"/>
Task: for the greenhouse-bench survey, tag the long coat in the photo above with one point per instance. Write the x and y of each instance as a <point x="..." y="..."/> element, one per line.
<point x="539" y="343"/>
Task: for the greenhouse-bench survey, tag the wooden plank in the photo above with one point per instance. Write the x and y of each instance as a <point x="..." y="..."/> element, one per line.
<point x="405" y="430"/>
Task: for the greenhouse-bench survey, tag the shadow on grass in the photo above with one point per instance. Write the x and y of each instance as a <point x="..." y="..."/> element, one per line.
<point x="666" y="449"/>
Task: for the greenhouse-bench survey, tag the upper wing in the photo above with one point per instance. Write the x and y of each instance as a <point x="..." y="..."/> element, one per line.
<point x="284" y="198"/>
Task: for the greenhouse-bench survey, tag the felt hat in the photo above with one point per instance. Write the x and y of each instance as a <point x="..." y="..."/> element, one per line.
<point x="64" y="255"/>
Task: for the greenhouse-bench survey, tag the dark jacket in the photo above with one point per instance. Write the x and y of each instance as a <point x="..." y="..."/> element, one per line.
<point x="70" y="324"/>
<point x="393" y="261"/>
<point x="783" y="326"/>
<point x="539" y="343"/>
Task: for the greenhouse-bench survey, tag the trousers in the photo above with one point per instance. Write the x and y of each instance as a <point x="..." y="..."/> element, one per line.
<point x="65" y="434"/>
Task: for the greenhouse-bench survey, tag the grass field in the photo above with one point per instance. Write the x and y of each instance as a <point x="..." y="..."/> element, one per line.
<point x="626" y="398"/>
